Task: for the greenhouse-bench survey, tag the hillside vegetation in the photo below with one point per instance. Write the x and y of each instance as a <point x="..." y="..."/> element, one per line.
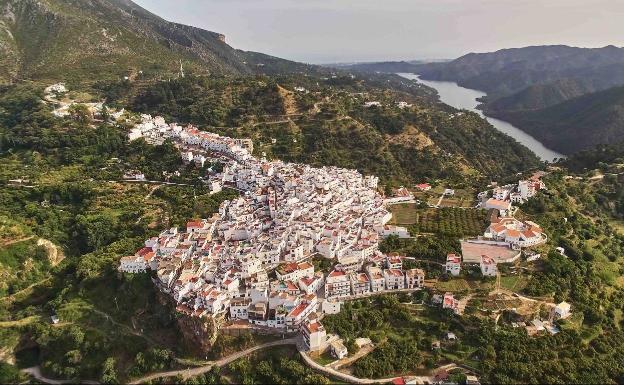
<point x="508" y="71"/>
<point x="72" y="40"/>
<point x="577" y="124"/>
<point x="566" y="97"/>
<point x="331" y="126"/>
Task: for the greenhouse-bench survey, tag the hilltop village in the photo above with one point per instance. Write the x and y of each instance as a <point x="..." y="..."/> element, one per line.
<point x="251" y="261"/>
<point x="286" y="214"/>
<point x="299" y="242"/>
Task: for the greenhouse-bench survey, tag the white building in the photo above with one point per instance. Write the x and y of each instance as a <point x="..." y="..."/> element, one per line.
<point x="449" y="302"/>
<point x="502" y="206"/>
<point x="294" y="271"/>
<point x="239" y="307"/>
<point x="331" y="306"/>
<point x="310" y="285"/>
<point x="395" y="280"/>
<point x="376" y="277"/>
<point x="501" y="193"/>
<point x="132" y="264"/>
<point x="453" y="264"/>
<point x="314" y="336"/>
<point x="338" y="349"/>
<point x="360" y="283"/>
<point x="488" y="266"/>
<point x="414" y="279"/>
<point x="562" y="311"/>
<point x="337" y="284"/>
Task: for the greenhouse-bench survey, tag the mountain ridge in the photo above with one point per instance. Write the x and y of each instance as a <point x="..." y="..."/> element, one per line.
<point x="72" y="39"/>
<point x="575" y="124"/>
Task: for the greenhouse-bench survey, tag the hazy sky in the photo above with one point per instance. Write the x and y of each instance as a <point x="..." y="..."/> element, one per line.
<point x="321" y="31"/>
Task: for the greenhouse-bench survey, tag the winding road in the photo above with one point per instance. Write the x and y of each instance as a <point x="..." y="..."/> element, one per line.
<point x="187" y="373"/>
<point x="196" y="371"/>
<point x="35" y="372"/>
<point x="342" y="376"/>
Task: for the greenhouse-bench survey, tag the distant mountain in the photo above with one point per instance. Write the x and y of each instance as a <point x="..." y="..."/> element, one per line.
<point x="387" y="67"/>
<point x="576" y="124"/>
<point x="509" y="71"/>
<point x="410" y="66"/>
<point x="74" y="39"/>
<point x="541" y="95"/>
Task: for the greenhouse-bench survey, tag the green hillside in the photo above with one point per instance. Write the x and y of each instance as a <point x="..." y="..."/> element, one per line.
<point x="73" y="39"/>
<point x="400" y="145"/>
<point x="541" y="95"/>
<point x="508" y="71"/>
<point x="576" y="124"/>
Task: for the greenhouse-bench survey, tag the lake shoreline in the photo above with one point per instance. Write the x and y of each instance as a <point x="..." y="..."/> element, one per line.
<point x="468" y="99"/>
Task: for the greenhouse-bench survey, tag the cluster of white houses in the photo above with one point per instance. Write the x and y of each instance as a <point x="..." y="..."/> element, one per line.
<point x="504" y="228"/>
<point x="504" y="197"/>
<point x="286" y="213"/>
<point x="354" y="280"/>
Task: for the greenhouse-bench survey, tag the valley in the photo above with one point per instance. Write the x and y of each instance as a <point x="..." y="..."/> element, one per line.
<point x="466" y="99"/>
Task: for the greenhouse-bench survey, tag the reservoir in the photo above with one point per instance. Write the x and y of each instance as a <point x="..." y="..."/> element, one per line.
<point x="466" y="99"/>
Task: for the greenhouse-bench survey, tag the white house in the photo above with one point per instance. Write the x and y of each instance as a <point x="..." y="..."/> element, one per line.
<point x="414" y="278"/>
<point x="314" y="335"/>
<point x="488" y="266"/>
<point x="331" y="306"/>
<point x="453" y="264"/>
<point x="338" y="349"/>
<point x="394" y="262"/>
<point x="376" y="277"/>
<point x="294" y="271"/>
<point x="337" y="284"/>
<point x="562" y="311"/>
<point x="238" y="308"/>
<point x="395" y="280"/>
<point x="311" y="285"/>
<point x="502" y="206"/>
<point x="449" y="302"/>
<point x="360" y="283"/>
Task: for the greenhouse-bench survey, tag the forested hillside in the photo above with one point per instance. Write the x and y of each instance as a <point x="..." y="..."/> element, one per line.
<point x="577" y="124"/>
<point x="73" y="40"/>
<point x="330" y="125"/>
<point x="566" y="97"/>
<point x="509" y="71"/>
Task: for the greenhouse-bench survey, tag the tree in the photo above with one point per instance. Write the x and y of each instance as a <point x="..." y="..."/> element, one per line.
<point x="80" y="113"/>
<point x="109" y="373"/>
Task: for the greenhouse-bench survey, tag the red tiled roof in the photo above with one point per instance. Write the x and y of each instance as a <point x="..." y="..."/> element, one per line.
<point x="313" y="327"/>
<point x="298" y="310"/>
<point x="194" y="224"/>
<point x="144" y="251"/>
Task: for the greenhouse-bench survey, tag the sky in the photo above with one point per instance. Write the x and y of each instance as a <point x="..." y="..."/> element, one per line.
<point x="332" y="31"/>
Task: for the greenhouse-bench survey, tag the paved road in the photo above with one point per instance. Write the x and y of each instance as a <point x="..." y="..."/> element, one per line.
<point x="186" y="373"/>
<point x="342" y="376"/>
<point x="35" y="371"/>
